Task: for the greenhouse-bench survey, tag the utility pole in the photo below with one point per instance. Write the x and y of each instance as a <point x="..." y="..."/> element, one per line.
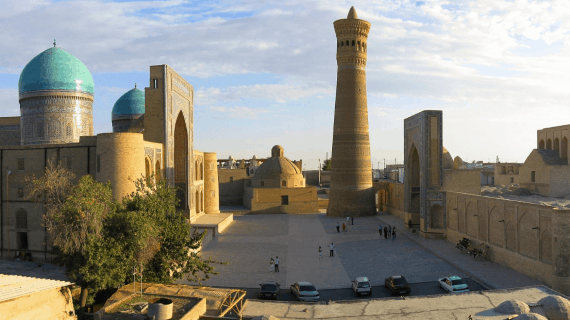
<point x="8" y="208"/>
<point x="319" y="172"/>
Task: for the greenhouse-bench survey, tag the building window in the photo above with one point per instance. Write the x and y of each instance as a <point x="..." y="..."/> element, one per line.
<point x="98" y="162"/>
<point x="283" y="183"/>
<point x="22" y="240"/>
<point x="532" y="176"/>
<point x="68" y="130"/>
<point x="503" y="169"/>
<point x="155" y="83"/>
<point x="20" y="192"/>
<point x="512" y="180"/>
<point x="21" y="164"/>
<point x="21" y="219"/>
<point x="262" y="183"/>
<point x="68" y="163"/>
<point x="284" y="200"/>
<point x="231" y="179"/>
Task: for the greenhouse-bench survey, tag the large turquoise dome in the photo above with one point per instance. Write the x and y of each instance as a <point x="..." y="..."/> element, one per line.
<point x="55" y="69"/>
<point x="131" y="103"/>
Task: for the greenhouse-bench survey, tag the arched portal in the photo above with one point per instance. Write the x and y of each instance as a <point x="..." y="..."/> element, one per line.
<point x="147" y="167"/>
<point x="157" y="173"/>
<point x="197" y="202"/>
<point x="541" y="144"/>
<point x="549" y="144"/>
<point x="414" y="189"/>
<point x="556" y="144"/>
<point x="181" y="161"/>
<point x="381" y="199"/>
<point x="436" y="216"/>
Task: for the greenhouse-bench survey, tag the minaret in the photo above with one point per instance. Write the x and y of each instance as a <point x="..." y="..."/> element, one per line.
<point x="351" y="192"/>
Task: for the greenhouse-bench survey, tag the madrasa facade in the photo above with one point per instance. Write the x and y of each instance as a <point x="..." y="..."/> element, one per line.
<point x="152" y="136"/>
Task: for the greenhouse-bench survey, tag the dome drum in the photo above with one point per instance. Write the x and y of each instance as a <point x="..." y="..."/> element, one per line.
<point x="278" y="172"/>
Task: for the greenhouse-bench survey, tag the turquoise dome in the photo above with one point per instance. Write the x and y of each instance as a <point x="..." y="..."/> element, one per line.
<point x="55" y="69"/>
<point x="132" y="102"/>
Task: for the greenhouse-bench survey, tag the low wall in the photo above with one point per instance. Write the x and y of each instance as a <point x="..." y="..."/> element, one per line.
<point x="196" y="311"/>
<point x="530" y="238"/>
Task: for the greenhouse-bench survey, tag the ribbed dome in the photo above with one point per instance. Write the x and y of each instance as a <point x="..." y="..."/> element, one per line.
<point x="277" y="167"/>
<point x="132" y="102"/>
<point x="55" y="69"/>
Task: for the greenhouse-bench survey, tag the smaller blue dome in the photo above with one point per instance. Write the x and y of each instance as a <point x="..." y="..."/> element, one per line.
<point x="130" y="103"/>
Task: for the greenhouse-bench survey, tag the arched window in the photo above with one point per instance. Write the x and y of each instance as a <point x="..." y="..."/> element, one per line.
<point x="196" y="176"/>
<point x="541" y="144"/>
<point x="202" y="201"/>
<point x="201" y="171"/>
<point x="197" y="204"/>
<point x="358" y="46"/>
<point x="342" y="43"/>
<point x="347" y="43"/>
<point x="157" y="171"/>
<point x="549" y="144"/>
<point x="556" y="144"/>
<point x="564" y="148"/>
<point x="22" y="219"/>
<point x="353" y="43"/>
<point x="147" y="168"/>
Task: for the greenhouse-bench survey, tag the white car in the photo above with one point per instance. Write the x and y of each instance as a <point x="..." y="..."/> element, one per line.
<point x="361" y="285"/>
<point x="453" y="284"/>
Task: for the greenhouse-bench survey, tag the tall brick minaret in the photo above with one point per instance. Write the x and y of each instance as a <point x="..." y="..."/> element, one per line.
<point x="351" y="192"/>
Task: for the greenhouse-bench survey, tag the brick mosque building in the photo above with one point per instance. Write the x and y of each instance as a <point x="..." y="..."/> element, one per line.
<point x="152" y="134"/>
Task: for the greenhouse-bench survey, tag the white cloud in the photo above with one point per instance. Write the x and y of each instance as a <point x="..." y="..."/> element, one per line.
<point x="237" y="112"/>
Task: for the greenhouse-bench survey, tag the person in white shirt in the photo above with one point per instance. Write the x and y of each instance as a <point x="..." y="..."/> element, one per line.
<point x="276" y="264"/>
<point x="331" y="254"/>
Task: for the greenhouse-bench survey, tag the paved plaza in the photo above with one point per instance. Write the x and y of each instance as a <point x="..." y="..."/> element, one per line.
<point x="251" y="240"/>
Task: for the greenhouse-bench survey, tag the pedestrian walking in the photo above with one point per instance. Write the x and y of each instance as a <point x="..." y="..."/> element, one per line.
<point x="320" y="253"/>
<point x="276" y="264"/>
<point x="347" y="220"/>
<point x="337" y="226"/>
<point x="331" y="254"/>
<point x="271" y="265"/>
<point x="393" y="233"/>
<point x="385" y="232"/>
<point x="352" y="220"/>
<point x="389" y="229"/>
<point x="343" y="227"/>
<point x="380" y="229"/>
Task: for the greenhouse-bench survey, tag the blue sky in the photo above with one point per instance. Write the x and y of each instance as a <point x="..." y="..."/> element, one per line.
<point x="264" y="72"/>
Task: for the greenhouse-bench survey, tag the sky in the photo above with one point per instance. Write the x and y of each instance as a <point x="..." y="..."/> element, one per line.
<point x="264" y="72"/>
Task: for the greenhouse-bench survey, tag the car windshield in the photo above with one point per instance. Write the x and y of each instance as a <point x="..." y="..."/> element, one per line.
<point x="399" y="281"/>
<point x="307" y="288"/>
<point x="457" y="282"/>
<point x="364" y="284"/>
<point x="268" y="287"/>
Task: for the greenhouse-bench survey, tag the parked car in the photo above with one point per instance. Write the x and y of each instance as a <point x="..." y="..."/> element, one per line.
<point x="397" y="285"/>
<point x="269" y="290"/>
<point x="361" y="285"/>
<point x="304" y="291"/>
<point x="453" y="284"/>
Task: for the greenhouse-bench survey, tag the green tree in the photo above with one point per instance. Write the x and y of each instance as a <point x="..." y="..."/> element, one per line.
<point x="326" y="164"/>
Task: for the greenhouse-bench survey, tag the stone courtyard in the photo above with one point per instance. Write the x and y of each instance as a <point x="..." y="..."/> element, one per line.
<point x="251" y="240"/>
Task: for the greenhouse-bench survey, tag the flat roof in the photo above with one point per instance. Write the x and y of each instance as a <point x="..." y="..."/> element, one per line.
<point x="13" y="286"/>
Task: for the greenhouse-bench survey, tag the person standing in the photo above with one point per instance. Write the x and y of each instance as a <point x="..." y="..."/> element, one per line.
<point x="320" y="253"/>
<point x="347" y="221"/>
<point x="343" y="227"/>
<point x="331" y="254"/>
<point x="352" y="220"/>
<point x="380" y="229"/>
<point x="389" y="230"/>
<point x="271" y="265"/>
<point x="393" y="233"/>
<point x="337" y="226"/>
<point x="385" y="232"/>
<point x="276" y="264"/>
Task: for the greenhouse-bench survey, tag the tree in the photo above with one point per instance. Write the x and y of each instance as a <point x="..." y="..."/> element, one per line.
<point x="326" y="164"/>
<point x="74" y="219"/>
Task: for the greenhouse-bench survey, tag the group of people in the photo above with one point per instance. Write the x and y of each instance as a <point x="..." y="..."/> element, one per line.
<point x="344" y="225"/>
<point x="274" y="264"/>
<point x="388" y="231"/>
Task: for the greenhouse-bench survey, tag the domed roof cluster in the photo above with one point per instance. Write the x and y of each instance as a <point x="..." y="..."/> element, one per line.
<point x="55" y="69"/>
<point x="277" y="167"/>
<point x="130" y="103"/>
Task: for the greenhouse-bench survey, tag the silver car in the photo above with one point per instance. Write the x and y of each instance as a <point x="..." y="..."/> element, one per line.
<point x="304" y="291"/>
<point x="361" y="285"/>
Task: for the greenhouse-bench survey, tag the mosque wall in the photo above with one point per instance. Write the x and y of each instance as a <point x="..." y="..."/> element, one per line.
<point x="529" y="238"/>
<point x="232" y="186"/>
<point x="460" y="180"/>
<point x="271" y="200"/>
<point x="10" y="130"/>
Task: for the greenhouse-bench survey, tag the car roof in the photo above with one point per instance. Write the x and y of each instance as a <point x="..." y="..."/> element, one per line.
<point x="396" y="277"/>
<point x="362" y="279"/>
<point x="454" y="278"/>
<point x="269" y="282"/>
<point x="304" y="283"/>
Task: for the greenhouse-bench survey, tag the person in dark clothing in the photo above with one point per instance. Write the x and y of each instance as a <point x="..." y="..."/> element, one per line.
<point x="276" y="264"/>
<point x="385" y="232"/>
<point x="338" y="226"/>
<point x="380" y="229"/>
<point x="410" y="223"/>
<point x="389" y="230"/>
<point x="352" y="220"/>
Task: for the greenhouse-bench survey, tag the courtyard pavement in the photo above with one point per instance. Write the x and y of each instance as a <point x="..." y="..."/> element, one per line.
<point x="251" y="240"/>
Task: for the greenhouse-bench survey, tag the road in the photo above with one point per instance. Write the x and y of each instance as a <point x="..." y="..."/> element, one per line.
<point x="418" y="289"/>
